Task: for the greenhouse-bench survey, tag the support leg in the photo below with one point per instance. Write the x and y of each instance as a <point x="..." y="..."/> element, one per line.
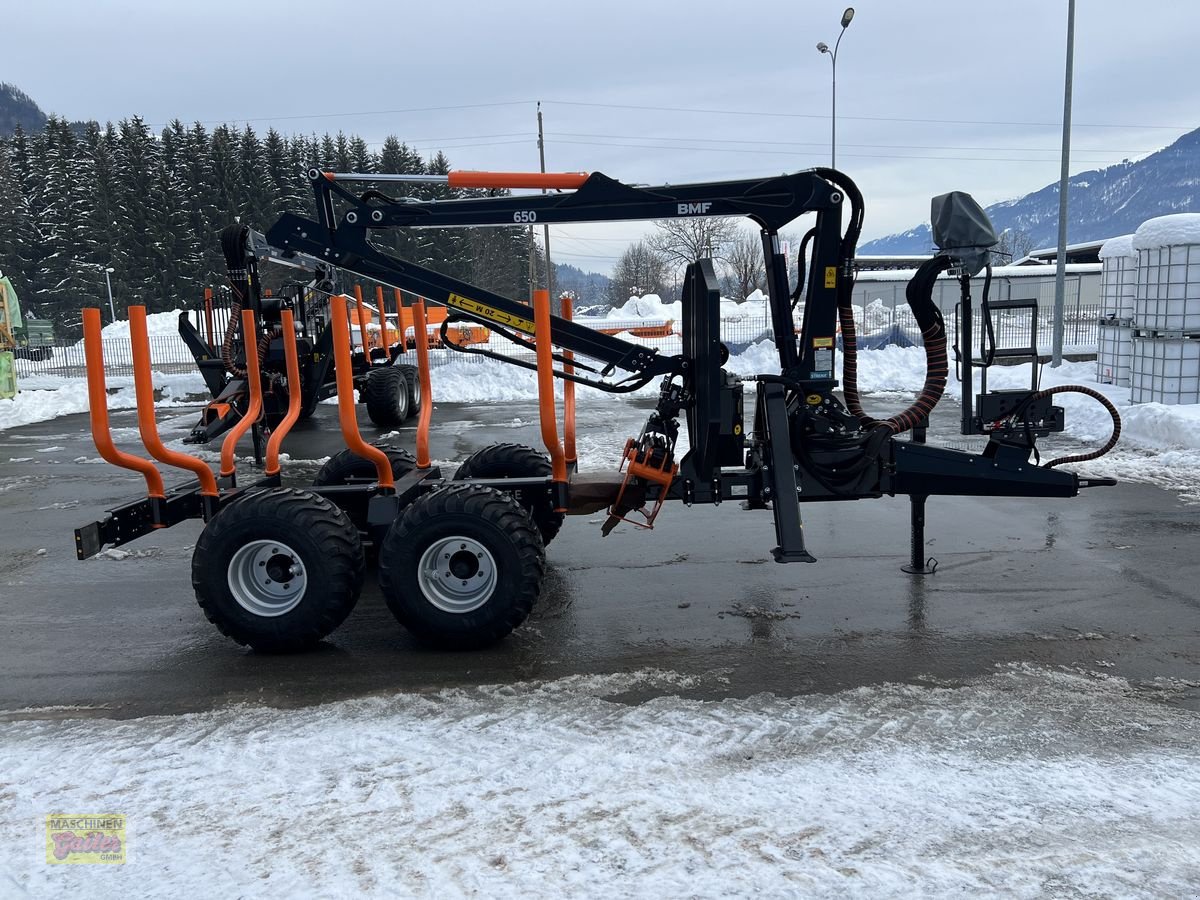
<point x="917" y="564"/>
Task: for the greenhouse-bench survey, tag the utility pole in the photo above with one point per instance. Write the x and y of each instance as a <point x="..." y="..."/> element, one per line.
<point x="1060" y="273"/>
<point x="555" y="305"/>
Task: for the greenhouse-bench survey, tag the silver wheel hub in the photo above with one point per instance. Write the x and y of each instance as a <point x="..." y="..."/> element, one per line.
<point x="267" y="578"/>
<point x="457" y="574"/>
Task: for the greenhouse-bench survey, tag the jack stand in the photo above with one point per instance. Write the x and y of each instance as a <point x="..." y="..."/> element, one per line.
<point x="917" y="564"/>
<point x="256" y="435"/>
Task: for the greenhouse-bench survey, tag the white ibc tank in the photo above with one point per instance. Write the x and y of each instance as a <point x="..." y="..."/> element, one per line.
<point x="1168" y="281"/>
<point x="1114" y="353"/>
<point x="1118" y="277"/>
<point x="1165" y="370"/>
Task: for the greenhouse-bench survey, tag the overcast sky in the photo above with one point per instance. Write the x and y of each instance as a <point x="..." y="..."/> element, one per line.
<point x="933" y="95"/>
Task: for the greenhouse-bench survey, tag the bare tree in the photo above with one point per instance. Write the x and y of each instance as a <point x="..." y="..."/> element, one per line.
<point x="745" y="264"/>
<point x="689" y="238"/>
<point x="640" y="270"/>
<point x="1015" y="243"/>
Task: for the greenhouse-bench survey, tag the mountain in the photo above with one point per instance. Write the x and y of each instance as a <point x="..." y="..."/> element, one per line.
<point x="18" y="108"/>
<point x="1102" y="203"/>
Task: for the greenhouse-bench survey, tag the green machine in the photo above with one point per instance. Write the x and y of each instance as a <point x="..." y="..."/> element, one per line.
<point x="20" y="337"/>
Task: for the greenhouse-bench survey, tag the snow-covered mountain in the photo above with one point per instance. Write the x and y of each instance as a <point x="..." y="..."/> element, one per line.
<point x="1102" y="202"/>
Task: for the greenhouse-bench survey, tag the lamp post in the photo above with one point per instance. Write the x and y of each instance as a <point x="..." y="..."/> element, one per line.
<point x="847" y="17"/>
<point x="108" y="283"/>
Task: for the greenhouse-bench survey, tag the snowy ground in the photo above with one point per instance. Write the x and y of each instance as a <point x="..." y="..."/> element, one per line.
<point x="1027" y="783"/>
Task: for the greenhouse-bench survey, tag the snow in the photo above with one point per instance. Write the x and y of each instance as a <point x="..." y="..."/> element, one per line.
<point x="1168" y="231"/>
<point x="1028" y="782"/>
<point x="1118" y="247"/>
<point x="161" y="323"/>
<point x="46" y="397"/>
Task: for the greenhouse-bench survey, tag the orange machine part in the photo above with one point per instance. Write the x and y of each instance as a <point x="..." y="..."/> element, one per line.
<point x="254" y="410"/>
<point x="362" y="323"/>
<point x="345" y="396"/>
<point x="143" y="387"/>
<point x="98" y="408"/>
<point x="568" y="393"/>
<point x="548" y="180"/>
<point x="208" y="315"/>
<point x="399" y="318"/>
<point x="293" y="379"/>
<point x="423" y="420"/>
<point x="545" y="379"/>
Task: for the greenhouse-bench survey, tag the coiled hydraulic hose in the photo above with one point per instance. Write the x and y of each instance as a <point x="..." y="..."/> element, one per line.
<point x="1075" y="389"/>
<point x="233" y="245"/>
<point x="919" y="294"/>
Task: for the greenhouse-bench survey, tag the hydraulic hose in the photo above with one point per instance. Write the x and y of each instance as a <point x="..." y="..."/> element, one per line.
<point x="1096" y="395"/>
<point x="919" y="295"/>
<point x="233" y="245"/>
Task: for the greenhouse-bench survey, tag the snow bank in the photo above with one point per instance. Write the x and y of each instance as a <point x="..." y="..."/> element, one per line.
<point x="46" y="397"/>
<point x="156" y="324"/>
<point x="1024" y="783"/>
<point x="1168" y="231"/>
<point x="1117" y="247"/>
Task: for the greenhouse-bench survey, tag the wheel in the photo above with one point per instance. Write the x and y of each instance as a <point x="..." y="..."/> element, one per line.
<point x="346" y="466"/>
<point x="413" y="377"/>
<point x="517" y="461"/>
<point x="385" y="392"/>
<point x="278" y="570"/>
<point x="462" y="566"/>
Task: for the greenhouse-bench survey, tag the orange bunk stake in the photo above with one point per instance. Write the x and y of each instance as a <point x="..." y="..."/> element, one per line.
<point x="293" y="383"/>
<point x="423" y="420"/>
<point x="383" y="331"/>
<point x="400" y="321"/>
<point x="569" y="394"/>
<point x="254" y="410"/>
<point x="143" y="387"/>
<point x="345" y="396"/>
<point x="362" y="324"/>
<point x="545" y="378"/>
<point x="208" y="315"/>
<point x="98" y="408"/>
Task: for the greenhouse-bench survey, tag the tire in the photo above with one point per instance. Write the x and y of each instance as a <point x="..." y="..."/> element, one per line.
<point x="259" y="533"/>
<point x="517" y="461"/>
<point x="462" y="533"/>
<point x="346" y="466"/>
<point x="413" y="377"/>
<point x="385" y="391"/>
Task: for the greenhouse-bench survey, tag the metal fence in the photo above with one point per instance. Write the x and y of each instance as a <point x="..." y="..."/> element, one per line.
<point x="879" y="325"/>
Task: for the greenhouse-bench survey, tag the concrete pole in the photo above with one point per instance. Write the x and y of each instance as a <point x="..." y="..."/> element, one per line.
<point x="1060" y="274"/>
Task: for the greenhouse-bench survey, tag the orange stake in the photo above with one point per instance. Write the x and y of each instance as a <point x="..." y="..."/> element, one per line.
<point x="143" y="386"/>
<point x="293" y="382"/>
<point x="98" y="407"/>
<point x="545" y="379"/>
<point x="254" y="384"/>
<point x="383" y="334"/>
<point x="568" y="394"/>
<point x="362" y="323"/>
<point x="208" y="318"/>
<point x="423" y="420"/>
<point x="345" y="396"/>
<point x="400" y="321"/>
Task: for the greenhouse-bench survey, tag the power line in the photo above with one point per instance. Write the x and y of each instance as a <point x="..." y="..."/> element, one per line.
<point x="826" y="143"/>
<point x="782" y="115"/>
<point x="855" y="155"/>
<point x="342" y="115"/>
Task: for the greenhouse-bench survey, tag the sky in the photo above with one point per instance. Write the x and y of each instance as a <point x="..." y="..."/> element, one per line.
<point x="930" y="97"/>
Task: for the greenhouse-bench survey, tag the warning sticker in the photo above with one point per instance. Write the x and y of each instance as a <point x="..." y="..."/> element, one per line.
<point x="823" y="359"/>
<point x="830" y="276"/>
<point x="822" y="342"/>
<point x="484" y="311"/>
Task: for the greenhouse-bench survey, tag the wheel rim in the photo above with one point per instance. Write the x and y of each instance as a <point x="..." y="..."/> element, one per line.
<point x="457" y="574"/>
<point x="267" y="578"/>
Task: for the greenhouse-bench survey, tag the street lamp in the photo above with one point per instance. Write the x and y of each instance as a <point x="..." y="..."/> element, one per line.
<point x="108" y="283"/>
<point x="847" y="18"/>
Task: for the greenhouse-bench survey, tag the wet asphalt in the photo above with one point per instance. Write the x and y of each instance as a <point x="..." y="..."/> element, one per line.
<point x="1109" y="581"/>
